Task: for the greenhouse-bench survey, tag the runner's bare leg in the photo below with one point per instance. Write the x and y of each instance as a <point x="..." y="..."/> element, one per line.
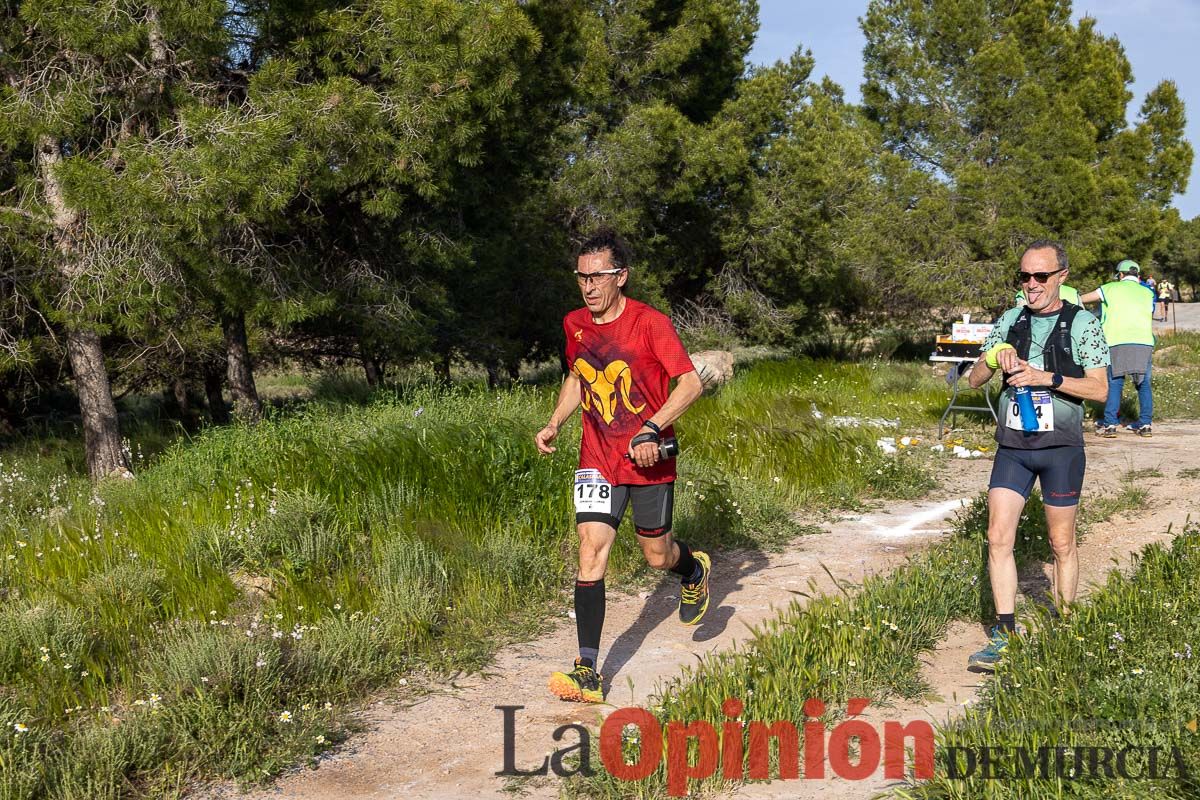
<point x="1004" y="512"/>
<point x="1060" y="521"/>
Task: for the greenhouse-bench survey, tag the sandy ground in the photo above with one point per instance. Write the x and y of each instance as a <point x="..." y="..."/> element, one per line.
<point x="1182" y="316"/>
<point x="1108" y="545"/>
<point x="448" y="743"/>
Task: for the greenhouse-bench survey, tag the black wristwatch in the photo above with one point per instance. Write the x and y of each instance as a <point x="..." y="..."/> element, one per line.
<point x="1056" y="381"/>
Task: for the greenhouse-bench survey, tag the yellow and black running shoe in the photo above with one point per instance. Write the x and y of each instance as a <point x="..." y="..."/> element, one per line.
<point x="693" y="597"/>
<point x="581" y="685"/>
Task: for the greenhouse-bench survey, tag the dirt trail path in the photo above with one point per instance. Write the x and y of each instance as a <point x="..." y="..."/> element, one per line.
<point x="1172" y="499"/>
<point x="449" y="744"/>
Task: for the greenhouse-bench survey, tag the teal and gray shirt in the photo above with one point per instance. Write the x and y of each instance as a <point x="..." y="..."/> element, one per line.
<point x="1090" y="351"/>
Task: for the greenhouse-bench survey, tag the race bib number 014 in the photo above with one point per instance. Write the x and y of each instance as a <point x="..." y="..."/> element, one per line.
<point x="593" y="494"/>
<point x="1043" y="406"/>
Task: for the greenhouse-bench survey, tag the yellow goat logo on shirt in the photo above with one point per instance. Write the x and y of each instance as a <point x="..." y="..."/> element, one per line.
<point x="603" y="385"/>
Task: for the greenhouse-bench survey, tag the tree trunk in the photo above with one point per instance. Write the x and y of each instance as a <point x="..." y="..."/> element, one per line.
<point x="217" y="410"/>
<point x="370" y="365"/>
<point x="246" y="405"/>
<point x="6" y="414"/>
<point x="180" y="390"/>
<point x="372" y="371"/>
<point x="101" y="430"/>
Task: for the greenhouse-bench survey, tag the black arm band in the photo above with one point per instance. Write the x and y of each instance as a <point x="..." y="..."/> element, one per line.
<point x="644" y="438"/>
<point x="652" y="426"/>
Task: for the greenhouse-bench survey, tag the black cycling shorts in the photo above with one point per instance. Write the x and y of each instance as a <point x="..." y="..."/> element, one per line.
<point x="652" y="508"/>
<point x="1059" y="469"/>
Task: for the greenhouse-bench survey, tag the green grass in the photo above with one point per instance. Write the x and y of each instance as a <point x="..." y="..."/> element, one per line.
<point x="1176" y="385"/>
<point x="197" y="621"/>
<point x="1189" y="473"/>
<point x="1177" y="350"/>
<point x="762" y="429"/>
<point x="914" y="393"/>
<point x="1142" y="474"/>
<point x="1175" y="381"/>
<point x="1127" y="498"/>
<point x="1119" y="672"/>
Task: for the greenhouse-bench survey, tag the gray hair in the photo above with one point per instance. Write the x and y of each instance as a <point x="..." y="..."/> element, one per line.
<point x="1060" y="252"/>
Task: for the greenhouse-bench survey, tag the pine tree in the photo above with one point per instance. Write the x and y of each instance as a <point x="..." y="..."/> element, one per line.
<point x="1021" y="112"/>
<point x="1180" y="256"/>
<point x="651" y="153"/>
<point x="81" y="80"/>
<point x="422" y="91"/>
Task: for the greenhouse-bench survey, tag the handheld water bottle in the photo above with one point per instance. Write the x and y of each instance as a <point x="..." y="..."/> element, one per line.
<point x="1029" y="420"/>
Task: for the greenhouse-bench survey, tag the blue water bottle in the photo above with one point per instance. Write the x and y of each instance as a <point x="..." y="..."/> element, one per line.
<point x="1029" y="420"/>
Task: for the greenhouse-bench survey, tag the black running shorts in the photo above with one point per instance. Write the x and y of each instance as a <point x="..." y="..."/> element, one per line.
<point x="652" y="508"/>
<point x="1059" y="469"/>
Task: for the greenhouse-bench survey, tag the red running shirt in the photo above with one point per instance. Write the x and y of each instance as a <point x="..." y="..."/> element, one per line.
<point x="624" y="368"/>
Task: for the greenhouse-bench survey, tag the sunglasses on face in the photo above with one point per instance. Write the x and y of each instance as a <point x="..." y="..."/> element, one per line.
<point x="599" y="276"/>
<point x="1041" y="277"/>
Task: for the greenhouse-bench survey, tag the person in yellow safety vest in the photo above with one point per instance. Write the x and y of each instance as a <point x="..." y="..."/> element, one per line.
<point x="1126" y="314"/>
<point x="1068" y="294"/>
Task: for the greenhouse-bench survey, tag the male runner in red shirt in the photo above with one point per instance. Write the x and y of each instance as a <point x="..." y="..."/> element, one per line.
<point x="621" y="354"/>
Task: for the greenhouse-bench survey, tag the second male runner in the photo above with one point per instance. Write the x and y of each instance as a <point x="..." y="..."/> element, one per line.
<point x="1056" y="351"/>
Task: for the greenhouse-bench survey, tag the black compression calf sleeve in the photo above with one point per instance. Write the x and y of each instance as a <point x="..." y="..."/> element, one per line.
<point x="686" y="567"/>
<point x="589" y="618"/>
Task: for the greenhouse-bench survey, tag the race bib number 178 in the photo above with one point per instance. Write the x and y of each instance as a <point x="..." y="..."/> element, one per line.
<point x="593" y="494"/>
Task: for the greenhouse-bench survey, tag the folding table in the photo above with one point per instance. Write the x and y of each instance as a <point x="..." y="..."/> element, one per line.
<point x="961" y="355"/>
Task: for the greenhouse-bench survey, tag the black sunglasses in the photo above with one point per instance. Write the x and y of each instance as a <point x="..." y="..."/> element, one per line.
<point x="1040" y="277"/>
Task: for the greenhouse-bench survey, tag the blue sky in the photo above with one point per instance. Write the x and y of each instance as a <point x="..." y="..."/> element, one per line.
<point x="1157" y="35"/>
